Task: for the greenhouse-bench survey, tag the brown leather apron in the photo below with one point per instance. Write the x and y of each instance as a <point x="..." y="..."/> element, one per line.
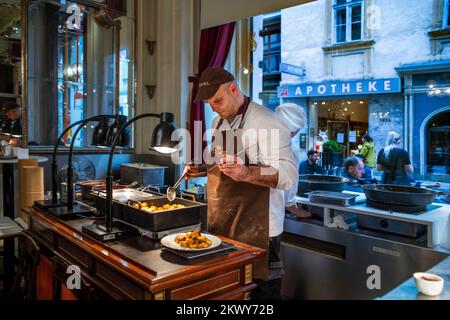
<point x="238" y="210"/>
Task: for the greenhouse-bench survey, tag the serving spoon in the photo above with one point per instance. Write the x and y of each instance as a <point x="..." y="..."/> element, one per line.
<point x="172" y="191"/>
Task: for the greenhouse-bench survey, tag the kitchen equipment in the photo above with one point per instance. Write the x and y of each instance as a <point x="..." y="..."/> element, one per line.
<point x="87" y="186"/>
<point x="330" y="197"/>
<point x="403" y="208"/>
<point x="123" y="195"/>
<point x="120" y="196"/>
<point x="196" y="193"/>
<point x="308" y="183"/>
<point x="402" y="228"/>
<point x="317" y="257"/>
<point x="145" y="174"/>
<point x="191" y="214"/>
<point x="154" y="189"/>
<point x="398" y="195"/>
<point x="172" y="191"/>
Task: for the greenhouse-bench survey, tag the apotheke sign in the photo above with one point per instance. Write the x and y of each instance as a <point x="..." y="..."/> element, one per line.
<point x="340" y="88"/>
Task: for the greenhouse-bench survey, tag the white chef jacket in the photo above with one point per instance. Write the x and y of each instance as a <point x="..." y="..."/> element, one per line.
<point x="266" y="149"/>
<point x="291" y="194"/>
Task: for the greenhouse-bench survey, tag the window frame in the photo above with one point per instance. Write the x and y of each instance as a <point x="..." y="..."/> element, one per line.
<point x="445" y="22"/>
<point x="349" y="4"/>
<point x="273" y="28"/>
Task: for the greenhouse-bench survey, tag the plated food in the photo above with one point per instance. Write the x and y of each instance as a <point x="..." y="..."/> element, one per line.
<point x="154" y="209"/>
<point x="191" y="241"/>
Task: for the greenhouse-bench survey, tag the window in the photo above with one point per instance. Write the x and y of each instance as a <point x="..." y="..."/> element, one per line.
<point x="348" y="20"/>
<point x="10" y="51"/>
<point x="270" y="65"/>
<point x="438" y="141"/>
<point x="272" y="45"/>
<point x="73" y="70"/>
<point x="446" y="20"/>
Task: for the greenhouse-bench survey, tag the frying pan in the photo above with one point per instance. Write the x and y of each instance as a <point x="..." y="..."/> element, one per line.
<point x="402" y="195"/>
<point x="309" y="183"/>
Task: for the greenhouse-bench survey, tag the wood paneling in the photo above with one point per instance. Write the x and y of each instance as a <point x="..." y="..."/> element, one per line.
<point x="207" y="287"/>
<point x="138" y="268"/>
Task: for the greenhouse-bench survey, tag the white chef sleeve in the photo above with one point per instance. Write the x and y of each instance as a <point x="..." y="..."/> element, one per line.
<point x="274" y="148"/>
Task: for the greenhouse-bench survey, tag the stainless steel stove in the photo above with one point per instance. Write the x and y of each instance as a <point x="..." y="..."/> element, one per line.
<point x="327" y="263"/>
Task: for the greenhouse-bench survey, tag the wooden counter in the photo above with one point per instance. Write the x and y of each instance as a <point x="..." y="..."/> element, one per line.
<point x="135" y="268"/>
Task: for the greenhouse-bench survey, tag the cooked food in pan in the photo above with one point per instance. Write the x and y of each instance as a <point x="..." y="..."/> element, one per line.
<point x="154" y="209"/>
<point x="194" y="240"/>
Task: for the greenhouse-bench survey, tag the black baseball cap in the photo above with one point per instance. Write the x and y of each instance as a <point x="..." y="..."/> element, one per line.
<point x="210" y="81"/>
<point x="310" y="152"/>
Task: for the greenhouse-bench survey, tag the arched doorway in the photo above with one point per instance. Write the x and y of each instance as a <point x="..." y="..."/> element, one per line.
<point x="437" y="144"/>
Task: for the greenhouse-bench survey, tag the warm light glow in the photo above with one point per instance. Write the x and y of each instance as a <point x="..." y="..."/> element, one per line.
<point x="165" y="150"/>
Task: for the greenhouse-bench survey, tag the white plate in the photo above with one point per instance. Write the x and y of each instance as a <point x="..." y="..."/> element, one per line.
<point x="169" y="242"/>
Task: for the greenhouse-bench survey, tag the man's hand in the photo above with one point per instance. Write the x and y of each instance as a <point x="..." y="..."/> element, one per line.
<point x="234" y="167"/>
<point x="299" y="212"/>
<point x="194" y="171"/>
<point x="14" y="142"/>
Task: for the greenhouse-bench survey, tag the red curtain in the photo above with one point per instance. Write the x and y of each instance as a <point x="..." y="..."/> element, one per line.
<point x="214" y="48"/>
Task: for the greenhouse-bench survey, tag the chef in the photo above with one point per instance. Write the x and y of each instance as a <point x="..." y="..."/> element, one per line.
<point x="253" y="165"/>
<point x="293" y="117"/>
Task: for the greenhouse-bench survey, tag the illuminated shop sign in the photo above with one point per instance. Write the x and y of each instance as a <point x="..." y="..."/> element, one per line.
<point x="340" y="88"/>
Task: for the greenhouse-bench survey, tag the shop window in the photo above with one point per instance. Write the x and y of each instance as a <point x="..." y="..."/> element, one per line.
<point x="438" y="144"/>
<point x="344" y="121"/>
<point x="77" y="57"/>
<point x="347" y="20"/>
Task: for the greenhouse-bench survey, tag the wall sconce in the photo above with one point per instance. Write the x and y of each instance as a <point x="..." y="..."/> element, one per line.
<point x="151" y="91"/>
<point x="151" y="46"/>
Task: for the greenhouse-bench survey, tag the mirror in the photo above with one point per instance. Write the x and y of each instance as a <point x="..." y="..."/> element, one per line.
<point x="11" y="68"/>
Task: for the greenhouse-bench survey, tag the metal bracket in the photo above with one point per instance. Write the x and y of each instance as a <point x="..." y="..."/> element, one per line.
<point x="151" y="46"/>
<point x="151" y="91"/>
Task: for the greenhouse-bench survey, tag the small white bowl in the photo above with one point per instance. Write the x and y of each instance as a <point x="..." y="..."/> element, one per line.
<point x="428" y="283"/>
